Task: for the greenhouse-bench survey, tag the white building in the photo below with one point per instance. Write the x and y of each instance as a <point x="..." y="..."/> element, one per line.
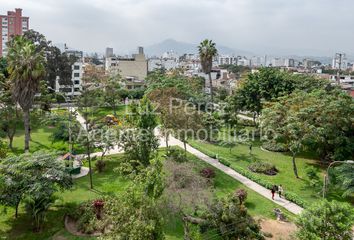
<point x="76" y="78"/>
<point x="166" y="63"/>
<point x="226" y="59"/>
<point x="340" y="61"/>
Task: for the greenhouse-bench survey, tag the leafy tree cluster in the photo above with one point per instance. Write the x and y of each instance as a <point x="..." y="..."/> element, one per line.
<point x="326" y="221"/>
<point x="318" y="121"/>
<point x="268" y="84"/>
<point x="32" y="179"/>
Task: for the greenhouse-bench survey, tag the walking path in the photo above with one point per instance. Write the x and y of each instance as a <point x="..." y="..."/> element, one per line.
<point x="290" y="206"/>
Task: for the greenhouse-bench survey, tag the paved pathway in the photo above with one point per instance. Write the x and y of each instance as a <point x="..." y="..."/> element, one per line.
<point x="291" y="207"/>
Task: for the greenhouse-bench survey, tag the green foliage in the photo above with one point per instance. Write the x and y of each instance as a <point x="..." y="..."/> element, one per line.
<point x="273" y="146"/>
<point x="319" y="120"/>
<point x="212" y="125"/>
<point x="176" y="154"/>
<point x="224" y="161"/>
<point x="232" y="221"/>
<point x="326" y="220"/>
<point x="35" y="178"/>
<point x="255" y="177"/>
<point x="263" y="167"/>
<point x="86" y="218"/>
<point x="57" y="63"/>
<point x="344" y="176"/>
<point x="268" y="84"/>
<point x="315" y="181"/>
<point x="140" y="143"/>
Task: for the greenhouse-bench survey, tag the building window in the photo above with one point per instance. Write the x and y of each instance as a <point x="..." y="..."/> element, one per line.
<point x="76" y="89"/>
<point x="76" y="67"/>
<point x="76" y="82"/>
<point x="76" y="74"/>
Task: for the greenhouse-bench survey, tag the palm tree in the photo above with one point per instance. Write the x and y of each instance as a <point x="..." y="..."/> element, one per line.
<point x="207" y="51"/>
<point x="26" y="69"/>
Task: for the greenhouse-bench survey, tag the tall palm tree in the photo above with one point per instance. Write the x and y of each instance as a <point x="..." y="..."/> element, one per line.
<point x="26" y="69"/>
<point x="207" y="51"/>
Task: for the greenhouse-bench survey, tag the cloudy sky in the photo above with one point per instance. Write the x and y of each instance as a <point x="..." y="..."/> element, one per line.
<point x="318" y="27"/>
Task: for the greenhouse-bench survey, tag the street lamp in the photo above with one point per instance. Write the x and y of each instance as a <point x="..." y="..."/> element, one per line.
<point x="69" y="125"/>
<point x="326" y="176"/>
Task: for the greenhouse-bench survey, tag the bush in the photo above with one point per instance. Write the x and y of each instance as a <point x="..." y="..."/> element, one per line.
<point x="224" y="162"/>
<point x="263" y="167"/>
<point x="176" y="155"/>
<point x="275" y="147"/>
<point x="86" y="218"/>
<point x="241" y="194"/>
<point x="313" y="177"/>
<point x="100" y="165"/>
<point x="207" y="173"/>
<point x="245" y="122"/>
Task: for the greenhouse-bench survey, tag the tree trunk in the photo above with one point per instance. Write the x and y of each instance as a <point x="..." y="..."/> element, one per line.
<point x="294" y="166"/>
<point x="16" y="209"/>
<point x="88" y="149"/>
<point x="26" y="121"/>
<point x="185" y="147"/>
<point x="166" y="140"/>
<point x="211" y="91"/>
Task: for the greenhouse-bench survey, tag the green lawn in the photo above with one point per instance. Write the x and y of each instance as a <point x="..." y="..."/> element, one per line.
<point x="98" y="113"/>
<point x="241" y="157"/>
<point x="109" y="182"/>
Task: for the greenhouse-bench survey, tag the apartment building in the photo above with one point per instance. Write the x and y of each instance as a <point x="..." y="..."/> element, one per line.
<point x="12" y="24"/>
<point x="135" y="67"/>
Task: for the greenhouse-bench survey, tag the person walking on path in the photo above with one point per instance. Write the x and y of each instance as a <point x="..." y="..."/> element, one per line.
<point x="250" y="148"/>
<point x="273" y="190"/>
<point x="280" y="190"/>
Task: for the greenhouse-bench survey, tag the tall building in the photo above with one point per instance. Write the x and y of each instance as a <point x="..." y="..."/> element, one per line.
<point x="12" y="24"/>
<point x="340" y="61"/>
<point x="109" y="52"/>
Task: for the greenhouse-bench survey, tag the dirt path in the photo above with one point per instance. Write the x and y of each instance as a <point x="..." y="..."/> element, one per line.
<point x="279" y="230"/>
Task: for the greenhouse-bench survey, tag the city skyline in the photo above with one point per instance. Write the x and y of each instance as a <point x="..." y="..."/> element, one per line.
<point x="276" y="27"/>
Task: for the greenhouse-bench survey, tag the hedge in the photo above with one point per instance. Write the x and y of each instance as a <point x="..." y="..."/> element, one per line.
<point x="293" y="197"/>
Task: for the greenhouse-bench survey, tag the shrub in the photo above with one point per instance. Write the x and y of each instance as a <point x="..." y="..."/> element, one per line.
<point x="100" y="165"/>
<point x="207" y="173"/>
<point x="176" y="155"/>
<point x="274" y="146"/>
<point x="313" y="177"/>
<point x="241" y="194"/>
<point x="263" y="167"/>
<point x="224" y="161"/>
<point x="86" y="217"/>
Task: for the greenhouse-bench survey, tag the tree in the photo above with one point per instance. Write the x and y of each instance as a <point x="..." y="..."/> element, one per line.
<point x="212" y="125"/>
<point x="86" y="103"/>
<point x="231" y="220"/>
<point x="207" y="52"/>
<point x="326" y="220"/>
<point x="139" y="142"/>
<point x="289" y="121"/>
<point x="8" y="110"/>
<point x="26" y="69"/>
<point x="267" y="85"/>
<point x="57" y="64"/>
<point x="112" y="91"/>
<point x="34" y="178"/>
<point x="186" y="122"/>
<point x="344" y="176"/>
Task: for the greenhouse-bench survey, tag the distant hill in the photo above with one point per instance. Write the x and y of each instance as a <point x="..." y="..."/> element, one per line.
<point x="182" y="47"/>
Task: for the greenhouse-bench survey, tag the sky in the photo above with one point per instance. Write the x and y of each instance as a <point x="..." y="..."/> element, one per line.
<point x="299" y="27"/>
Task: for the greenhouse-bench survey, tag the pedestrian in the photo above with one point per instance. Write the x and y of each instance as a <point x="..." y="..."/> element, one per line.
<point x="280" y="190"/>
<point x="250" y="148"/>
<point x="273" y="190"/>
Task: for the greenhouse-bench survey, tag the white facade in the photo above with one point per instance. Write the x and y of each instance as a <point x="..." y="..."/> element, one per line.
<point x="76" y="78"/>
<point x="225" y="59"/>
<point x="340" y="61"/>
<point x="166" y="63"/>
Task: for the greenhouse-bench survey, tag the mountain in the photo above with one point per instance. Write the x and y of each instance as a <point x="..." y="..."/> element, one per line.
<point x="182" y="47"/>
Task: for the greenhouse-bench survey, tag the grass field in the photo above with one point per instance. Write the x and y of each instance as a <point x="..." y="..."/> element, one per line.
<point x="240" y="156"/>
<point x="109" y="182"/>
